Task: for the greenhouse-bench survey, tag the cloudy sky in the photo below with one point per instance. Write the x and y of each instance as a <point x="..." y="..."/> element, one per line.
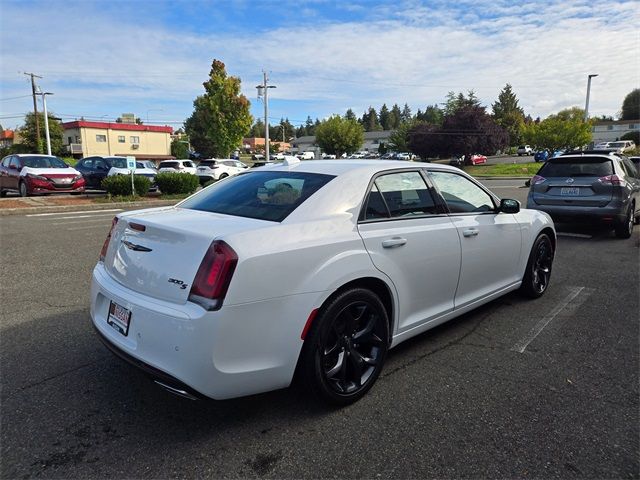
<point x="103" y="58"/>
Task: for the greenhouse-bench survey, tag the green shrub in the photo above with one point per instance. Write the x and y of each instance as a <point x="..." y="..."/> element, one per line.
<point x="172" y="183"/>
<point x="635" y="136"/>
<point x="120" y="185"/>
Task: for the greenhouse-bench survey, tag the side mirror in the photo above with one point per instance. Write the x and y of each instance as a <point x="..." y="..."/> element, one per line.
<point x="508" y="205"/>
<point x="13" y="167"/>
<point x="527" y="183"/>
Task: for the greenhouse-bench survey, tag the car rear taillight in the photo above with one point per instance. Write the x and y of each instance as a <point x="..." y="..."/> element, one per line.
<point x="611" y="180"/>
<point x="105" y="246"/>
<point x="214" y="276"/>
<point x="537" y="179"/>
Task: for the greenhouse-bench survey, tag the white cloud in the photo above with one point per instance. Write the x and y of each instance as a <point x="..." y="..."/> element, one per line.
<point x="103" y="63"/>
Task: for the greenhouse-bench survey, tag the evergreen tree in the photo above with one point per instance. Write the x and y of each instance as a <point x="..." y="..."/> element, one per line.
<point x="509" y="115"/>
<point x="350" y="115"/>
<point x="371" y="122"/>
<point x="631" y="106"/>
<point x="29" y="136"/>
<point x="405" y="116"/>
<point x="396" y="116"/>
<point x="384" y="117"/>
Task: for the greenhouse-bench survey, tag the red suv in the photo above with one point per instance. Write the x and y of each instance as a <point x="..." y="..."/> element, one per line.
<point x="32" y="174"/>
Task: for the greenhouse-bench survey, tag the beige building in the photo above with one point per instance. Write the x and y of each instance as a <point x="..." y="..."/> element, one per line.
<point x="145" y="142"/>
<point x="610" y="131"/>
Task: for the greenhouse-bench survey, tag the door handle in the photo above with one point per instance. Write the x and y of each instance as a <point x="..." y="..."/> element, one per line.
<point x="394" y="242"/>
<point x="470" y="232"/>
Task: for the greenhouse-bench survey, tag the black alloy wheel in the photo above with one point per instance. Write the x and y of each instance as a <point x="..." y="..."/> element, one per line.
<point x="538" y="273"/>
<point x="223" y="175"/>
<point x="624" y="229"/>
<point x="346" y="347"/>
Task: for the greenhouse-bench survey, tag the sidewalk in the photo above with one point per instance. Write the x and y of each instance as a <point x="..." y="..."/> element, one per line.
<point x="30" y="205"/>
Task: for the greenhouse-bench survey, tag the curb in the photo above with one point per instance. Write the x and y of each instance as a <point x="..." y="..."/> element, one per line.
<point x="85" y="207"/>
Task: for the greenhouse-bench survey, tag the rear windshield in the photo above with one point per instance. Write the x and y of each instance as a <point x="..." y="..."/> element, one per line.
<point x="117" y="162"/>
<point x="577" y="167"/>
<point x="43" y="162"/>
<point x="169" y="165"/>
<point x="207" y="163"/>
<point x="262" y="195"/>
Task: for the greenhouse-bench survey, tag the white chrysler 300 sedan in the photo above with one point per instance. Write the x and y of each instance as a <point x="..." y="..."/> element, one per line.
<point x="308" y="268"/>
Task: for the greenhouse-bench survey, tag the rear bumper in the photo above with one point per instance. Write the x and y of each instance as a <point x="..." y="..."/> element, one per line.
<point x="615" y="211"/>
<point x="238" y="350"/>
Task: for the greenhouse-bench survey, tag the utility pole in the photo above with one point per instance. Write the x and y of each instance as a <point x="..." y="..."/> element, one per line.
<point x="35" y="107"/>
<point x="263" y="90"/>
<point x="46" y="120"/>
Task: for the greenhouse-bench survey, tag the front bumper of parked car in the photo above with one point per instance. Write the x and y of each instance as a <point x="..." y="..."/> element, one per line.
<point x="35" y="184"/>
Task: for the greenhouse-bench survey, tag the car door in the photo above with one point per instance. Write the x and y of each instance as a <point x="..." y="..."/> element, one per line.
<point x="412" y="241"/>
<point x="99" y="172"/>
<point x="13" y="173"/>
<point x="4" y="171"/>
<point x="490" y="240"/>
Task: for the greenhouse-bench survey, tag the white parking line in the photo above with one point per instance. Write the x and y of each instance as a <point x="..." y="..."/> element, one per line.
<point x="70" y="213"/>
<point x="103" y="220"/>
<point x="89" y="226"/>
<point x="522" y="345"/>
<point x="87" y="216"/>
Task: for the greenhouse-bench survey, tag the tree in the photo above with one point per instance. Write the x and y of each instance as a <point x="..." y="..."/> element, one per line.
<point x="399" y="139"/>
<point x="179" y="149"/>
<point x="395" y="116"/>
<point x="370" y="121"/>
<point x="509" y="115"/>
<point x="29" y="137"/>
<point x="433" y="115"/>
<point x="405" y="115"/>
<point x="631" y="106"/>
<point x="565" y="130"/>
<point x="350" y="115"/>
<point x="339" y="135"/>
<point x="384" y="117"/>
<point x="221" y="116"/>
<point x="469" y="130"/>
<point x="455" y="102"/>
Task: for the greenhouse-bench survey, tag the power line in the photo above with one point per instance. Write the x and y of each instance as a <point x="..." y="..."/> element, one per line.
<point x="13" y="98"/>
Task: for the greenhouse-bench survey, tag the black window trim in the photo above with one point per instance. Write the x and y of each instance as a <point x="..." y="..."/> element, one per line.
<point x="435" y="196"/>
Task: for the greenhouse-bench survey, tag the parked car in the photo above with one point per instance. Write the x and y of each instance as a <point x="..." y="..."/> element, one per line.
<point x="37" y="174"/>
<point x="328" y="156"/>
<point x="589" y="186"/>
<point x="524" y="150"/>
<point x="478" y="159"/>
<point x="636" y="162"/>
<point x="403" y="156"/>
<point x="177" y="166"/>
<point x="541" y="155"/>
<point x="216" y="169"/>
<point x="95" y="169"/>
<point x="557" y="153"/>
<point x="307" y="155"/>
<point x="297" y="267"/>
<point x="621" y="146"/>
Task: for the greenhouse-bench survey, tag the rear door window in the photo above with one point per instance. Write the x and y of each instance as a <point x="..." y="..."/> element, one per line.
<point x="399" y="194"/>
<point x="263" y="195"/>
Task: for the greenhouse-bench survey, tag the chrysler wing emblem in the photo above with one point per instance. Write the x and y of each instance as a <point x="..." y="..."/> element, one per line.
<point x="570" y="180"/>
<point x="135" y="247"/>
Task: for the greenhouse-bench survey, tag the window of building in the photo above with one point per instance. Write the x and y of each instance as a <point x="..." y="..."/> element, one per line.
<point x="633" y="126"/>
<point x="609" y="127"/>
<point x="70" y="140"/>
<point x="78" y="139"/>
<point x="101" y="138"/>
<point x="134" y="140"/>
<point x="121" y="139"/>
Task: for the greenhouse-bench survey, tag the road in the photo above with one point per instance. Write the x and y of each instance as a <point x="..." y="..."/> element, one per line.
<point x="463" y="400"/>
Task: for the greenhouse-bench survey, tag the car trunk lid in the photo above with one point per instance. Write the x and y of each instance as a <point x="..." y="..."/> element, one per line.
<point x="158" y="252"/>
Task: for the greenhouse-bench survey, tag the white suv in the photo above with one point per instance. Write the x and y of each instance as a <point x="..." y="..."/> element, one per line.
<point x="215" y="169"/>
<point x="524" y="150"/>
<point x="177" y="166"/>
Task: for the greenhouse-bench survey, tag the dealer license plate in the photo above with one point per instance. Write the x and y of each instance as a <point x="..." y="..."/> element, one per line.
<point x="119" y="318"/>
<point x="570" y="191"/>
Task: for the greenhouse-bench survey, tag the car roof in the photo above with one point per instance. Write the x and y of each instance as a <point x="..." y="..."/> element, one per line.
<point x="339" y="167"/>
<point x="31" y="155"/>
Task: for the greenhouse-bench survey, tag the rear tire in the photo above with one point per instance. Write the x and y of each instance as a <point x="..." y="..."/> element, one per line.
<point x="625" y="229"/>
<point x="345" y="349"/>
<point x="3" y="193"/>
<point x="22" y="189"/>
<point x="223" y="175"/>
<point x="538" y="273"/>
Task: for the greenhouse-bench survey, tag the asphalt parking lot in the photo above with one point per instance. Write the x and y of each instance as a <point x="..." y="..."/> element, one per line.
<point x="517" y="389"/>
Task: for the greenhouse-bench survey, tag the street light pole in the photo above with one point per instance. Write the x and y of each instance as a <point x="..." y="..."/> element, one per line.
<point x="46" y="120"/>
<point x="586" y="105"/>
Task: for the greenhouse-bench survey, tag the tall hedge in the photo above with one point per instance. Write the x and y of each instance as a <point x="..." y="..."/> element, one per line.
<point x="174" y="183"/>
<point x="120" y="185"/>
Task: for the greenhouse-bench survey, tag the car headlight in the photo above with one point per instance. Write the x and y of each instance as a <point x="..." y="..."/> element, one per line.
<point x="37" y="177"/>
<point x="76" y="178"/>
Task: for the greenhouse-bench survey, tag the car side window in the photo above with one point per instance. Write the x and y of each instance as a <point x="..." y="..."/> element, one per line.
<point x="399" y="194"/>
<point x="15" y="161"/>
<point x="5" y="161"/>
<point x="460" y="194"/>
<point x="630" y="168"/>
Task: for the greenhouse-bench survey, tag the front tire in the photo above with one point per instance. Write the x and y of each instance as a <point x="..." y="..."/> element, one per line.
<point x="3" y="193"/>
<point x="223" y="175"/>
<point x="346" y="347"/>
<point x="538" y="273"/>
<point x="22" y="189"/>
<point x="624" y="229"/>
